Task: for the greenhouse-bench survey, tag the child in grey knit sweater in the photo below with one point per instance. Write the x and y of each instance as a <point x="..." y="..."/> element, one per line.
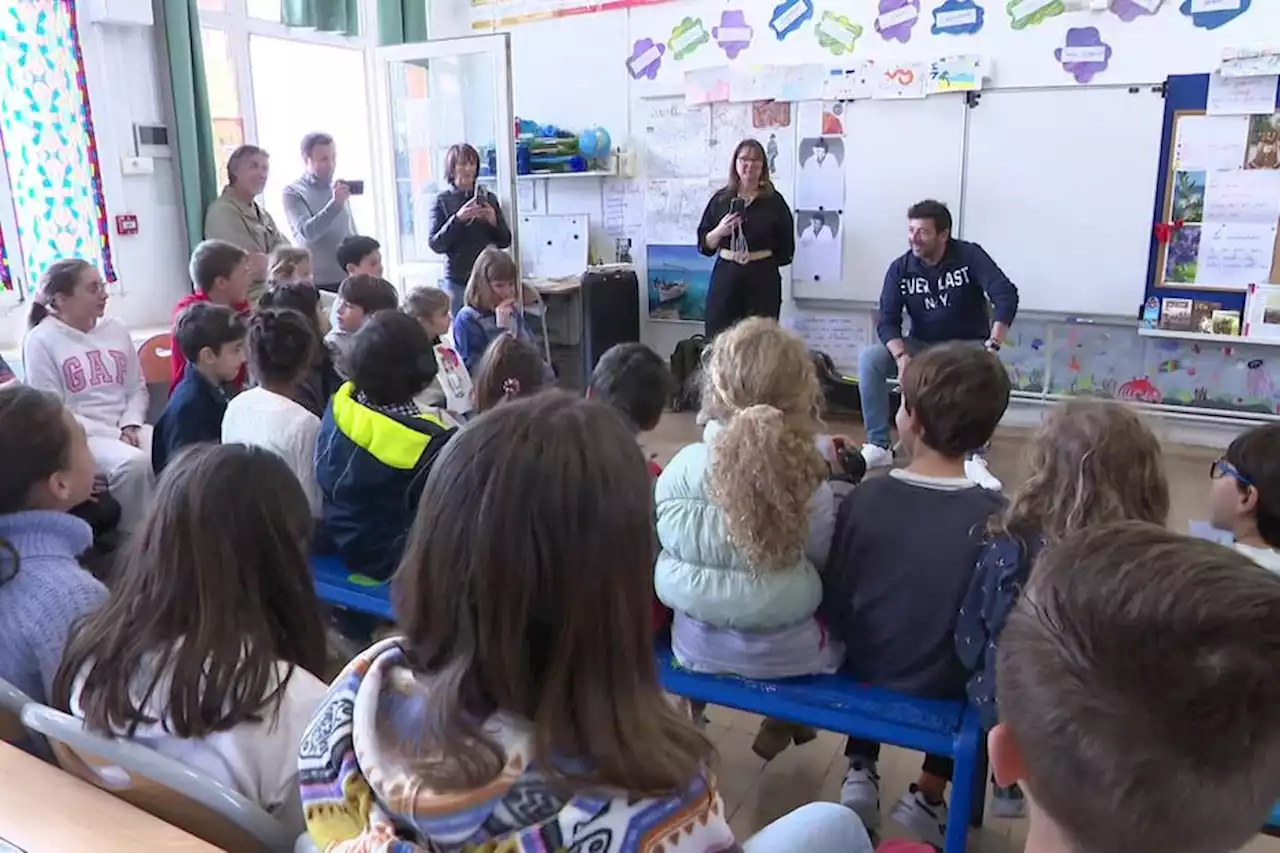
<point x="43" y="590"/>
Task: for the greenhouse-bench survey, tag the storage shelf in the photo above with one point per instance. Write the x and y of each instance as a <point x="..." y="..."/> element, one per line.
<point x="1223" y="340"/>
<point x="540" y="176"/>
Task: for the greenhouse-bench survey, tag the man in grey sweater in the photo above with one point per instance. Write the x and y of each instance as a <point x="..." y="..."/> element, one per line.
<point x="317" y="209"/>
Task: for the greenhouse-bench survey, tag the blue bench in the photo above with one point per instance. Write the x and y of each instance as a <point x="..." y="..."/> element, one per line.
<point x="838" y="703"/>
<point x="337" y="586"/>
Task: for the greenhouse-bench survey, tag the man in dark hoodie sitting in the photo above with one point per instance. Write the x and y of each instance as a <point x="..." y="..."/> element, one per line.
<point x="953" y="291"/>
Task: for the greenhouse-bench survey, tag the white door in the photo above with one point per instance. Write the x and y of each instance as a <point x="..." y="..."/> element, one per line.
<point x="430" y="96"/>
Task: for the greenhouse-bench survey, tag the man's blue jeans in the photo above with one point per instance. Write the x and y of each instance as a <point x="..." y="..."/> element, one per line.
<point x="875" y="368"/>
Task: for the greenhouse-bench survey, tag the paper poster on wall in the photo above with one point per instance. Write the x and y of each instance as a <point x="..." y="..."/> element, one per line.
<point x="732" y="123"/>
<point x="1028" y="13"/>
<point x="1242" y="196"/>
<point x="706" y="86"/>
<point x="733" y="33"/>
<point x="819" y="248"/>
<point x="1262" y="312"/>
<point x="678" y="279"/>
<point x="896" y="19"/>
<point x="1241" y="95"/>
<point x="841" y="336"/>
<point x="955" y="74"/>
<point x="958" y="18"/>
<point x="847" y="84"/>
<point x="1182" y="255"/>
<point x="1131" y="10"/>
<point x="820" y="182"/>
<point x="645" y="59"/>
<point x="1085" y="55"/>
<point x="837" y="34"/>
<point x="676" y="137"/>
<point x="770" y="114"/>
<point x="1263" y="150"/>
<point x="789" y="16"/>
<point x="1211" y="14"/>
<point x="1235" y="255"/>
<point x="623" y="208"/>
<point x="900" y="80"/>
<point x="673" y="209"/>
<point x="1210" y="142"/>
<point x="1250" y="61"/>
<point x="1188" y="195"/>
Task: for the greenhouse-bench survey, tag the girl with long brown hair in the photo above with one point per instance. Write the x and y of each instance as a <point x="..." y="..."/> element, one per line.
<point x="1091" y="462"/>
<point x="210" y="646"/>
<point x="521" y="708"/>
<point x="749" y="230"/>
<point x="745" y="518"/>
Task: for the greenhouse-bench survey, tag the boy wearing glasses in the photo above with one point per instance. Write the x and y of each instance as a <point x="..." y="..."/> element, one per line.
<point x="1244" y="496"/>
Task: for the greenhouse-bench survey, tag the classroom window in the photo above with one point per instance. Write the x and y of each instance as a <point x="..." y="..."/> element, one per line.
<point x="270" y="85"/>
<point x="51" y="203"/>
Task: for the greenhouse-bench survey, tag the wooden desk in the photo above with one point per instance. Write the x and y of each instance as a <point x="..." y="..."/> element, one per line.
<point x="44" y="810"/>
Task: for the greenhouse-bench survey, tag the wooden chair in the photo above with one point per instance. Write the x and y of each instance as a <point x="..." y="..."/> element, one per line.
<point x="159" y="785"/>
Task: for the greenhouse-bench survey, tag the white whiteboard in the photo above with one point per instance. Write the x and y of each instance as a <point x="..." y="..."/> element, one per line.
<point x="896" y="153"/>
<point x="1058" y="189"/>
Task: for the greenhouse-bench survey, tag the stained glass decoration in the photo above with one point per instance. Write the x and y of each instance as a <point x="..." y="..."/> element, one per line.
<point x="46" y="131"/>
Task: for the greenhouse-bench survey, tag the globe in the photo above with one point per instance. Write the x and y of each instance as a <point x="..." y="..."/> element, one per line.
<point x="594" y="143"/>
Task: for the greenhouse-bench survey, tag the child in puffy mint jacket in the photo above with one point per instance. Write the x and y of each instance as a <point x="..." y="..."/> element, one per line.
<point x="745" y="517"/>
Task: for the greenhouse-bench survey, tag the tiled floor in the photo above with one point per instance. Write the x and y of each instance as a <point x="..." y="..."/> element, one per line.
<point x="756" y="793"/>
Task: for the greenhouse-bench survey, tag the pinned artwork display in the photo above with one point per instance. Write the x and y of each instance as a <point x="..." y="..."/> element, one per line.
<point x="789" y="16"/>
<point x="1234" y="255"/>
<point x="837" y="34"/>
<point x="686" y="37"/>
<point x="958" y="18"/>
<point x="955" y="74"/>
<point x="1188" y="196"/>
<point x="673" y="208"/>
<point x="706" y="86"/>
<point x="645" y="59"/>
<point x="770" y="123"/>
<point x="1250" y="61"/>
<point x="900" y="81"/>
<point x="1241" y="96"/>
<point x="766" y="115"/>
<point x="1085" y="55"/>
<point x="848" y="84"/>
<point x="678" y="280"/>
<point x="1262" y="148"/>
<point x="675" y="139"/>
<point x="1211" y="14"/>
<point x="819" y="247"/>
<point x="733" y="34"/>
<point x="1131" y="10"/>
<point x="1028" y="13"/>
<point x="897" y="18"/>
<point x="820" y="183"/>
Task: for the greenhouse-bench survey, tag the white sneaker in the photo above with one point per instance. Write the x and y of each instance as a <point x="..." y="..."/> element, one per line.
<point x="975" y="468"/>
<point x="861" y="793"/>
<point x="927" y="821"/>
<point x="877" y="456"/>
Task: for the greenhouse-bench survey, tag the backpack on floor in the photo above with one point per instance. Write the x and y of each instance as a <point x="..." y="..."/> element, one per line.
<point x="686" y="365"/>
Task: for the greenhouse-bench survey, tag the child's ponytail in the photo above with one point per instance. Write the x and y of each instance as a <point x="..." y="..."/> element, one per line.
<point x="60" y="279"/>
<point x="764" y="471"/>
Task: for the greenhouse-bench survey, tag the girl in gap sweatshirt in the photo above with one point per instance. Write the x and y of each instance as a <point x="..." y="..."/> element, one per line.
<point x="91" y="365"/>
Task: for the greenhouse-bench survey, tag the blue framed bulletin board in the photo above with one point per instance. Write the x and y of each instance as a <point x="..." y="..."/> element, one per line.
<point x="1185" y="95"/>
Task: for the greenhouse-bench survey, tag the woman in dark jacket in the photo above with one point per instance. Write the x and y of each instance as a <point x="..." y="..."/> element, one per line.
<point x="464" y="221"/>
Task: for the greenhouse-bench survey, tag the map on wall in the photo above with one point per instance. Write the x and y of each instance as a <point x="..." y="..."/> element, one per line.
<point x="492" y="14"/>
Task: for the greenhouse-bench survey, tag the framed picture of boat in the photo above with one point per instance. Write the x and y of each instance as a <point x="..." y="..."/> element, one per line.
<point x="678" y="280"/>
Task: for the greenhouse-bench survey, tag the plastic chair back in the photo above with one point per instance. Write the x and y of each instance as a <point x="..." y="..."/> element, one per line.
<point x="159" y="785"/>
<point x="12" y="701"/>
<point x="156" y="353"/>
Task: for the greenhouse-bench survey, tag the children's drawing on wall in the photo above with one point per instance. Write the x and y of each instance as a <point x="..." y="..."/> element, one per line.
<point x="686" y="37"/>
<point x="789" y="16"/>
<point x="1085" y="55"/>
<point x="645" y="59"/>
<point x="836" y="33"/>
<point x="733" y="34"/>
<point x="1188" y="196"/>
<point x="769" y="114"/>
<point x="820" y="185"/>
<point x="678" y="281"/>
<point x="1182" y="255"/>
<point x="1264" y="143"/>
<point x="818" y="246"/>
<point x="770" y="123"/>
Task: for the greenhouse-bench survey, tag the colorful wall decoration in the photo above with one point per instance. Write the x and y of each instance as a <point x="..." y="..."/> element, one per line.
<point x="53" y="163"/>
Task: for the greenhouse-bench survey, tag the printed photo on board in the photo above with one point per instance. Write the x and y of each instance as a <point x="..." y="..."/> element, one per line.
<point x="1264" y="143"/>
<point x="820" y="185"/>
<point x="678" y="280"/>
<point x="818" y="246"/>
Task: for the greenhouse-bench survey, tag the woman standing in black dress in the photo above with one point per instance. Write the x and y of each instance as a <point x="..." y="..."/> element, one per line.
<point x="749" y="229"/>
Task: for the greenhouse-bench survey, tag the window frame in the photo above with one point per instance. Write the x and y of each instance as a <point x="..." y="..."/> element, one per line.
<point x="239" y="27"/>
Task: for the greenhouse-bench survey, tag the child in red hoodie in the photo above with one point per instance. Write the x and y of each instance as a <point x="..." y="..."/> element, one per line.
<point x="220" y="273"/>
<point x="636" y="381"/>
